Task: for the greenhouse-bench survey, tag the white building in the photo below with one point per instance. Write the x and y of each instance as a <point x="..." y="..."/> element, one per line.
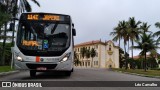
<point x="107" y="54"/>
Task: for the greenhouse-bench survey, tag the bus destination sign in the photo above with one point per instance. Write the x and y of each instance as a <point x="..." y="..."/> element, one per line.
<point x="43" y="17"/>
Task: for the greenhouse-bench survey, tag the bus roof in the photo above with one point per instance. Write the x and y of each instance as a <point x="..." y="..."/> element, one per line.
<point x="45" y="13"/>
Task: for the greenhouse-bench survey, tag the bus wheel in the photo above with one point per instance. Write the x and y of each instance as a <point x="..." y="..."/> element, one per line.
<point x="68" y="73"/>
<point x="72" y="70"/>
<point x="32" y="73"/>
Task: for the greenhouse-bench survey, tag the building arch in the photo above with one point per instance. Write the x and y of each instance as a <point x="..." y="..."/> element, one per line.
<point x="110" y="64"/>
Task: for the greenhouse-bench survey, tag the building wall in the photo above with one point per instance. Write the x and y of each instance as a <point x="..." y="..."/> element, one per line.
<point x="116" y="58"/>
<point x="103" y="56"/>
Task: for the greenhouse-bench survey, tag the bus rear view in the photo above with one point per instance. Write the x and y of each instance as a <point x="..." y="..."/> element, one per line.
<point x="44" y="42"/>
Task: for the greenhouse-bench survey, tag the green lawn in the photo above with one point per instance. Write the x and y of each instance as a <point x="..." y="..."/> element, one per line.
<point x="141" y="71"/>
<point x="5" y="68"/>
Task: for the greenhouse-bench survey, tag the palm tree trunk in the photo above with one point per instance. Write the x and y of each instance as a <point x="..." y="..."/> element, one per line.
<point x="119" y="42"/>
<point x="14" y="15"/>
<point x="128" y="46"/>
<point x="125" y="55"/>
<point x="4" y="45"/>
<point x="5" y="34"/>
<point x="92" y="63"/>
<point x="145" y="62"/>
<point x="132" y="52"/>
<point x="132" y="48"/>
<point x="0" y="48"/>
<point x="128" y="51"/>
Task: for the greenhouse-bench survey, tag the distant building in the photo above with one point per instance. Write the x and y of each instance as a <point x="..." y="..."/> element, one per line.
<point x="107" y="54"/>
<point x="147" y="56"/>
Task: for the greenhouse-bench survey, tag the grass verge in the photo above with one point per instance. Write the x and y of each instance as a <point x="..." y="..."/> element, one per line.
<point x="5" y="69"/>
<point x="141" y="71"/>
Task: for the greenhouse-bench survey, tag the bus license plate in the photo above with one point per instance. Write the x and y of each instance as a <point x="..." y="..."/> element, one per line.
<point x="42" y="68"/>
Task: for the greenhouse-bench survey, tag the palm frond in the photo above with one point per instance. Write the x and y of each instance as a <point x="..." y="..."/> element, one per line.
<point x="156" y="33"/>
<point x="36" y="2"/>
<point x="157" y="24"/>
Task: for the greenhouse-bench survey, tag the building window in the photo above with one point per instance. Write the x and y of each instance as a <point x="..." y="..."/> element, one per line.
<point x="109" y="47"/>
<point x="88" y="63"/>
<point x="96" y="54"/>
<point x="97" y="63"/>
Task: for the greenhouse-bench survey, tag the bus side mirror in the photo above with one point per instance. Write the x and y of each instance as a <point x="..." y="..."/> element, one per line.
<point x="74" y="32"/>
<point x="11" y="28"/>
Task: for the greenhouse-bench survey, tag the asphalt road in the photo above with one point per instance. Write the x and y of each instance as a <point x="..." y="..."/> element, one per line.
<point x="80" y="74"/>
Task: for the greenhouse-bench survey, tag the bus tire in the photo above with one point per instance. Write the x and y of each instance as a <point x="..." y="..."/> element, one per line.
<point x="32" y="73"/>
<point x="72" y="70"/>
<point x="68" y="73"/>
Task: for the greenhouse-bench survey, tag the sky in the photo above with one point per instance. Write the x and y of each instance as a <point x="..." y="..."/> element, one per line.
<point x="95" y="19"/>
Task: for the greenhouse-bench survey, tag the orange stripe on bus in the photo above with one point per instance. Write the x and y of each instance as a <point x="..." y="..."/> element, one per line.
<point x="37" y="58"/>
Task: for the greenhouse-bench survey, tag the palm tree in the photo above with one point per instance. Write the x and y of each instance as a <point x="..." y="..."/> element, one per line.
<point x="146" y="43"/>
<point x="82" y="53"/>
<point x="123" y="27"/>
<point x="5" y="18"/>
<point x="7" y="9"/>
<point x="23" y="6"/>
<point x="133" y="30"/>
<point x="88" y="54"/>
<point x="157" y="24"/>
<point x="76" y="59"/>
<point x="117" y="33"/>
<point x="158" y="32"/>
<point x="144" y="27"/>
<point x="93" y="54"/>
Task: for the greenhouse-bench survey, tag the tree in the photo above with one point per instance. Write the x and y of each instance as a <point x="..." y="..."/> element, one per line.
<point x="88" y="54"/>
<point x="158" y="32"/>
<point x="146" y="43"/>
<point x="10" y="8"/>
<point x="134" y="30"/>
<point x="82" y="53"/>
<point x="123" y="27"/>
<point x="5" y="18"/>
<point x="93" y="54"/>
<point x="76" y="59"/>
<point x="23" y="6"/>
<point x="117" y="33"/>
<point x="144" y="27"/>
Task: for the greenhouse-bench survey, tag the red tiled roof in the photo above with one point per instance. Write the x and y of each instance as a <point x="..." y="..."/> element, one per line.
<point x="95" y="42"/>
<point x="90" y="43"/>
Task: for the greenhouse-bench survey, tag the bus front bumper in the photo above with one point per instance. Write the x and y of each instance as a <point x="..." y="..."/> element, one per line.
<point x="63" y="66"/>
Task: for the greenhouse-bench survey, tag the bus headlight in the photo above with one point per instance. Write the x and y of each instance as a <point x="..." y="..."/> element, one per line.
<point x="19" y="58"/>
<point x="65" y="58"/>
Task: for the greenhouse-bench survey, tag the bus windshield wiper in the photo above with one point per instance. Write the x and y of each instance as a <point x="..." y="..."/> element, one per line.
<point x="54" y="28"/>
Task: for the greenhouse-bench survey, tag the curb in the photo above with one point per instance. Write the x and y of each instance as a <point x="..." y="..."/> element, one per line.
<point x="143" y="75"/>
<point x="8" y="73"/>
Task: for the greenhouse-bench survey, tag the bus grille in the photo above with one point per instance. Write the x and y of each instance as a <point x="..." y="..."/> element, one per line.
<point x="35" y="66"/>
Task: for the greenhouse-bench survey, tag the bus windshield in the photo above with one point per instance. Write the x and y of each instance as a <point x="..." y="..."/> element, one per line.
<point x="43" y="38"/>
